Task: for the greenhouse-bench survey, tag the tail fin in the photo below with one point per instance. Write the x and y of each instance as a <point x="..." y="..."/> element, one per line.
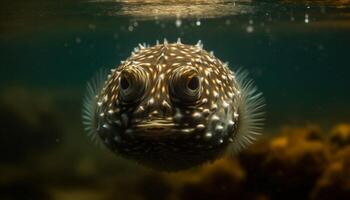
<point x="251" y="109"/>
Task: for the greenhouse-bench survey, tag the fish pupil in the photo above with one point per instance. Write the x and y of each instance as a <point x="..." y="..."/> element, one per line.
<point x="124" y="83"/>
<point x="193" y="84"/>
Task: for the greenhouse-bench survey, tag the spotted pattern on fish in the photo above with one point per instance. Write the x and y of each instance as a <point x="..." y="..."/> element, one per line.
<point x="172" y="106"/>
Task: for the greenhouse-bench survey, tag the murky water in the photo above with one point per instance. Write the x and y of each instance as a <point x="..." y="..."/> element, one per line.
<point x="296" y="51"/>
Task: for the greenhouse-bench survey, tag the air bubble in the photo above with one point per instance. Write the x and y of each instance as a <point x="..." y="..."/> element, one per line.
<point x="92" y="26"/>
<point x="78" y="40"/>
<point x="178" y="23"/>
<point x="306" y="18"/>
<point x="250" y="29"/>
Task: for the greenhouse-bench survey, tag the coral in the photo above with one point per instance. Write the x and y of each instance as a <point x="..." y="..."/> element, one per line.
<point x="287" y="164"/>
<point x="340" y="135"/>
<point x="154" y="186"/>
<point x="222" y="180"/>
<point x="335" y="182"/>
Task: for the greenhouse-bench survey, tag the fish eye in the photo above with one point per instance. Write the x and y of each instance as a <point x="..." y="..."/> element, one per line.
<point x="132" y="84"/>
<point x="124" y="83"/>
<point x="193" y="84"/>
<point x="185" y="86"/>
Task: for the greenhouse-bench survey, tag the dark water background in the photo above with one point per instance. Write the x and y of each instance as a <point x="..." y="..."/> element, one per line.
<point x="296" y="51"/>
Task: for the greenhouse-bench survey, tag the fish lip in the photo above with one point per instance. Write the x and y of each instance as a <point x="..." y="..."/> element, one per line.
<point x="155" y="128"/>
<point x="155" y="123"/>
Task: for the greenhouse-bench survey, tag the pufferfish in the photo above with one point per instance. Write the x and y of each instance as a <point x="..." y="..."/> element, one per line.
<point x="173" y="106"/>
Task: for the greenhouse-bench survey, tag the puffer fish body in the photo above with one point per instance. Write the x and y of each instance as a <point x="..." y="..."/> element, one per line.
<point x="173" y="106"/>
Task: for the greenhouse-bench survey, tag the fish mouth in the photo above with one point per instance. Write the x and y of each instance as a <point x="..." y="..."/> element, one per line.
<point x="155" y="123"/>
<point x="155" y="128"/>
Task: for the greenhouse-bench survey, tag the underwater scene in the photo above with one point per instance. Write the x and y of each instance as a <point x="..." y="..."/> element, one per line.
<point x="176" y="99"/>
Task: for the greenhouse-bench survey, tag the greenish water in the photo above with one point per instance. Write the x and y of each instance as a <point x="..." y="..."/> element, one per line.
<point x="296" y="51"/>
<point x="301" y="67"/>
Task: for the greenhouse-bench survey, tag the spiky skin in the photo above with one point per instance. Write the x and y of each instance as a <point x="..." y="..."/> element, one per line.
<point x="170" y="107"/>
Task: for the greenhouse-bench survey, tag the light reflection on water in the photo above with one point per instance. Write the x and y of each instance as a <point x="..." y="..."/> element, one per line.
<point x="146" y="9"/>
